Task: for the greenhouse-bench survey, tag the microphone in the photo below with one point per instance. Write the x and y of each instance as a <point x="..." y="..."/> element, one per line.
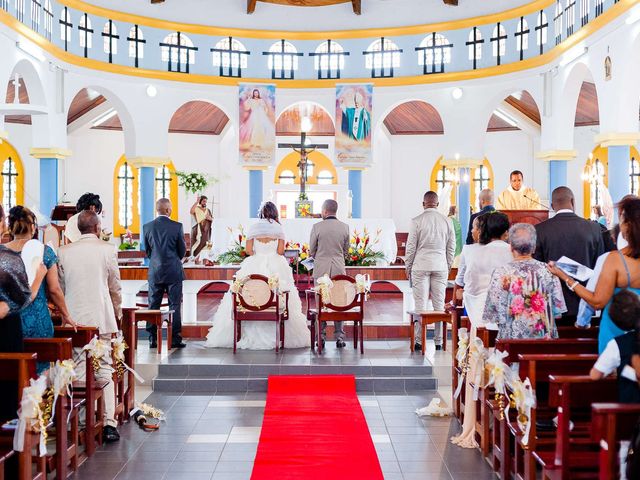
<point x="535" y="201"/>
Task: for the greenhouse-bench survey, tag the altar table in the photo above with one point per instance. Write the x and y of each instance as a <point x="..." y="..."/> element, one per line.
<point x="299" y="230"/>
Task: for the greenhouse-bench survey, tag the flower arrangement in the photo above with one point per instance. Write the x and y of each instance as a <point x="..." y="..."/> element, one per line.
<point x="238" y="252"/>
<point x="127" y="241"/>
<point x="304" y="208"/>
<point x="194" y="182"/>
<point x="303" y="254"/>
<point x="361" y="253"/>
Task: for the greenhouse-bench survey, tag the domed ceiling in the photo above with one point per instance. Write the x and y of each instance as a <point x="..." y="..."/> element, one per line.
<point x="317" y="15"/>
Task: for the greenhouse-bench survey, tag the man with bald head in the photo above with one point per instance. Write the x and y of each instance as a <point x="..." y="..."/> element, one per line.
<point x="90" y="280"/>
<point x="485" y="201"/>
<point x="430" y="252"/>
<point x="165" y="248"/>
<point x="567" y="234"/>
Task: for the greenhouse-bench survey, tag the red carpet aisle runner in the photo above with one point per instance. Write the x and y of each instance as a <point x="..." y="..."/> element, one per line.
<point x="314" y="428"/>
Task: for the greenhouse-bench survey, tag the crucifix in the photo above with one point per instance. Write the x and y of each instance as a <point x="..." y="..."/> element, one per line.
<point x="520" y="36"/>
<point x="65" y="21"/>
<point x="86" y="29"/>
<point x="137" y="39"/>
<point x="113" y="38"/>
<point x="541" y="30"/>
<point x="475" y="44"/>
<point x="498" y="38"/>
<point x="304" y="148"/>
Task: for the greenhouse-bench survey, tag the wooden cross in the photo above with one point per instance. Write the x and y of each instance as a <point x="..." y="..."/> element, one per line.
<point x="304" y="149"/>
<point x="230" y="53"/>
<point x="474" y="45"/>
<point x="520" y="33"/>
<point x="126" y="177"/>
<point x="541" y="29"/>
<point x="382" y="72"/>
<point x="329" y="55"/>
<point x="111" y="37"/>
<point x="66" y="26"/>
<point x="180" y="48"/>
<point x="137" y="39"/>
<point x="87" y="31"/>
<point x="571" y="5"/>
<point x="283" y="74"/>
<point x="433" y="48"/>
<point x="498" y="38"/>
<point x="9" y="174"/>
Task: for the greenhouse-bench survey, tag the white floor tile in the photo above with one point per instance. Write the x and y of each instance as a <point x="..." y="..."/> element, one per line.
<point x="237" y="403"/>
<point x="218" y="438"/>
<point x="381" y="438"/>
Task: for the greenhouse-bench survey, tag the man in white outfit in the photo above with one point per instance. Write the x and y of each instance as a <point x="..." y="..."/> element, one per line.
<point x="430" y="252"/>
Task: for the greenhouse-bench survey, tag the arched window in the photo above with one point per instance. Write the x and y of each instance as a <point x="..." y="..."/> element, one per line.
<point x="585" y="5"/>
<point x="12" y="175"/>
<point x="110" y="36"/>
<point x="634" y="176"/>
<point x="557" y="22"/>
<point x="85" y="32"/>
<point x="475" y="44"/>
<point x="20" y="10"/>
<point x="136" y="43"/>
<point x="522" y="35"/>
<point x="167" y="186"/>
<point x="570" y="16"/>
<point x="325" y="178"/>
<point x="286" y="177"/>
<point x="542" y="28"/>
<point x="48" y="19"/>
<point x="325" y="62"/>
<point x="499" y="41"/>
<point x="36" y="7"/>
<point x="437" y="51"/>
<point x="172" y="51"/>
<point x="126" y="198"/>
<point x="65" y="25"/>
<point x="481" y="178"/>
<point x="379" y="59"/>
<point x="226" y="59"/>
<point x="281" y="62"/>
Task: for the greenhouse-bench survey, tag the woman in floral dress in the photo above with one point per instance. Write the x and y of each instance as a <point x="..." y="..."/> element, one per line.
<point x="524" y="298"/>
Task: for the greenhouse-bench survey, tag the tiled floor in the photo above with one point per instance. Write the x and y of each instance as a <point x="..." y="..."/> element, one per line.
<point x="215" y="438"/>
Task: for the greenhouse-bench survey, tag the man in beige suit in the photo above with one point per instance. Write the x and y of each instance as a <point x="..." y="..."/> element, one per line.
<point x="430" y="251"/>
<point x="329" y="247"/>
<point x="89" y="275"/>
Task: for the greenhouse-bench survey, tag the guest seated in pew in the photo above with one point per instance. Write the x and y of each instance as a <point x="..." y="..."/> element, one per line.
<point x="621" y="270"/>
<point x="36" y="319"/>
<point x="625" y="314"/>
<point x="90" y="278"/>
<point x="523" y="298"/>
<point x="478" y="261"/>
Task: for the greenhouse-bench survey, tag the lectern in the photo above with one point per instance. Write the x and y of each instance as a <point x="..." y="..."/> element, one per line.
<point x="533" y="217"/>
<point x="62" y="213"/>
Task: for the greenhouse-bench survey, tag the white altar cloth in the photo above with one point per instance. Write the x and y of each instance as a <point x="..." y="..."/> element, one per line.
<point x="299" y="230"/>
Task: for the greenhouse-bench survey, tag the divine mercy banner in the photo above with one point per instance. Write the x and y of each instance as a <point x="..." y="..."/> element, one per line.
<point x="257" y="124"/>
<point x="354" y="104"/>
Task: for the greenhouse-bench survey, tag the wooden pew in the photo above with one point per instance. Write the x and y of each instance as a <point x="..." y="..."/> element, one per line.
<point x="558" y="345"/>
<point x="126" y="394"/>
<point x="67" y="454"/>
<point x="88" y="389"/>
<point x="612" y="422"/>
<point x="20" y="368"/>
<point x="538" y="368"/>
<point x="573" y="332"/>
<point x="575" y="453"/>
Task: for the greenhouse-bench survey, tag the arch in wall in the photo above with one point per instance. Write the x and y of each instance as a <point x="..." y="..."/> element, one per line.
<point x="515" y="110"/>
<point x="413" y="117"/>
<point x="102" y="102"/>
<point x="432" y="108"/>
<point x="288" y="122"/>
<point x="321" y="162"/>
<point x="126" y="194"/>
<point x="34" y="84"/>
<point x="479" y="177"/>
<point x="573" y="90"/>
<point x="11" y="177"/>
<point x="198" y="117"/>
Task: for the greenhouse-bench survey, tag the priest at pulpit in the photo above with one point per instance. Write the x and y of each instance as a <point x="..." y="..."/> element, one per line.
<point x="518" y="196"/>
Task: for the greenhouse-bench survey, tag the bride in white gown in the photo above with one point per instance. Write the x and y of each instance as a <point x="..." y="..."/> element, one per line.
<point x="265" y="247"/>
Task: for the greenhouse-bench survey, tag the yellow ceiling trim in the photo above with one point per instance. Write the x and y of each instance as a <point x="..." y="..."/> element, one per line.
<point x="304" y="35"/>
<point x="530" y="63"/>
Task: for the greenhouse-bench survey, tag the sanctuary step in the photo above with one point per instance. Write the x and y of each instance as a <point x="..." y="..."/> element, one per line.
<point x="380" y="369"/>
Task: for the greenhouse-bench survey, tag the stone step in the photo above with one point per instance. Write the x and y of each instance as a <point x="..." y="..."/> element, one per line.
<point x="211" y="385"/>
<point x="184" y="371"/>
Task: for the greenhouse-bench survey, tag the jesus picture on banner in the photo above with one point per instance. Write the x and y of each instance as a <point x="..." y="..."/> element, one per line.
<point x="257" y="123"/>
<point x="353" y="114"/>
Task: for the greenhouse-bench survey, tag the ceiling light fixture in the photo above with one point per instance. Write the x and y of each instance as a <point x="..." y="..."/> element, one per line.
<point x="152" y="91"/>
<point x="456" y="93"/>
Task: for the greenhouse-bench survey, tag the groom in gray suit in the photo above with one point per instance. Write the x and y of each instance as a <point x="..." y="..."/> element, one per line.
<point x="329" y="247"/>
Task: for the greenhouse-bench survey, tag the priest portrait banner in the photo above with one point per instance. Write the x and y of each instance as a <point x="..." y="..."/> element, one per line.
<point x="257" y="124"/>
<point x="353" y="124"/>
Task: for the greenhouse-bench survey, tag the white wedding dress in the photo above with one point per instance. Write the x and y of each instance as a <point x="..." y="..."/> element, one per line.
<point x="262" y="335"/>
